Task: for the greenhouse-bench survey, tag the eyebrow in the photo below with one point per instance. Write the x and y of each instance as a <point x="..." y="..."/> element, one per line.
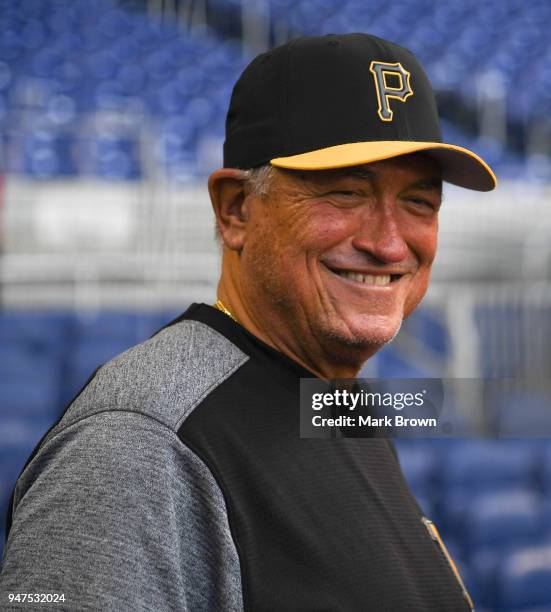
<point x="434" y="184"/>
<point x="364" y="172"/>
<point x="334" y="173"/>
<point x="356" y="171"/>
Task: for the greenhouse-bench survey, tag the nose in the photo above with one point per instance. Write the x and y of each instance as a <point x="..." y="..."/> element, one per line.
<point x="380" y="234"/>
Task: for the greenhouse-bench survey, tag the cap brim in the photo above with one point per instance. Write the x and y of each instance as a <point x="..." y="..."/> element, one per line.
<point x="459" y="166"/>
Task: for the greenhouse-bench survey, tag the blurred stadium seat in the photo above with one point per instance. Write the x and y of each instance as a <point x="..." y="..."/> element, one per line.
<point x="524" y="578"/>
<point x="57" y="58"/>
<point x="483" y="465"/>
<point x="504" y="520"/>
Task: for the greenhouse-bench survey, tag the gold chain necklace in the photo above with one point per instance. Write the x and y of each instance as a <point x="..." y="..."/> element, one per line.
<point x="220" y="306"/>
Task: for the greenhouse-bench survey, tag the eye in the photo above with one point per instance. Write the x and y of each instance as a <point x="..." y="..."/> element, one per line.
<point x="424" y="204"/>
<point x="344" y="193"/>
<point x="344" y="198"/>
<point x="421" y="202"/>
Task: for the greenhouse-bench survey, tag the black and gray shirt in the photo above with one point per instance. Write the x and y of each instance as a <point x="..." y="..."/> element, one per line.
<point x="177" y="480"/>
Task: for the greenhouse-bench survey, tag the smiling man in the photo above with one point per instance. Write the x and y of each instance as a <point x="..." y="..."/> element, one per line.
<point x="177" y="479"/>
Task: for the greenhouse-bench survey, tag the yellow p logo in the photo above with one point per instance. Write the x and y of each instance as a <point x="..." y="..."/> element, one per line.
<point x="382" y="73"/>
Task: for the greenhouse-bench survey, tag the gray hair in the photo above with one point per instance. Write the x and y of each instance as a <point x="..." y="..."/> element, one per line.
<point x="259" y="180"/>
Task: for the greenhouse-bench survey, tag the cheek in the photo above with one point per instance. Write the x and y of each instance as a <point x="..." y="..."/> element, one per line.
<point x="281" y="249"/>
<point x="424" y="248"/>
<point x="304" y="236"/>
<point x="423" y="241"/>
<point x="326" y="228"/>
<point x="416" y="291"/>
<point x="271" y="257"/>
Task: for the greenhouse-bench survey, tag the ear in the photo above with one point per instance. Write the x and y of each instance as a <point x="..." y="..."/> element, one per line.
<point x="231" y="206"/>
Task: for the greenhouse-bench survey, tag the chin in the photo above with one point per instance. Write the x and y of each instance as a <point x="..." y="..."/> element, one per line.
<point x="365" y="331"/>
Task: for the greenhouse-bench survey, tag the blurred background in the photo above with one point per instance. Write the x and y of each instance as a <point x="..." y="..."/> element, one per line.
<point x="111" y="118"/>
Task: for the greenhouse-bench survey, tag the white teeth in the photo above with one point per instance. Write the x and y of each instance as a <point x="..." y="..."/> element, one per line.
<point x="382" y="280"/>
<point x="369" y="279"/>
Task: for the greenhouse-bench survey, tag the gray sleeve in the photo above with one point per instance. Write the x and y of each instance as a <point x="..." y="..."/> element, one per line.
<point x="116" y="513"/>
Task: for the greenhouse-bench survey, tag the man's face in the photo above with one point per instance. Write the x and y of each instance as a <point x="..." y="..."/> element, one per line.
<point x="344" y="255"/>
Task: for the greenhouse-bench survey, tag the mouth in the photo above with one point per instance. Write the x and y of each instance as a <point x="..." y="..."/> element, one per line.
<point x="372" y="280"/>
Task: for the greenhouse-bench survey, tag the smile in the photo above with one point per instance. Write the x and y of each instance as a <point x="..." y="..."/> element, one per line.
<point x="374" y="280"/>
<point x="381" y="280"/>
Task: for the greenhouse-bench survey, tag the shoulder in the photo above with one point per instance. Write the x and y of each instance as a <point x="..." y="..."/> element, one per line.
<point x="125" y="421"/>
<point x="112" y="481"/>
<point x="164" y="378"/>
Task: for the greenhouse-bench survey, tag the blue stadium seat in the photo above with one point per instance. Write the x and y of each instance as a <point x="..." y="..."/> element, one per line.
<point x="545" y="473"/>
<point x="524" y="579"/>
<point x="391" y="364"/>
<point x="119" y="60"/>
<point x="471" y="469"/>
<point x="30" y="365"/>
<point x="168" y="315"/>
<point x="114" y="157"/>
<point x="42" y="332"/>
<point x="483" y="566"/>
<point x="481" y="465"/>
<point x="34" y="396"/>
<point x="419" y="463"/>
<point x="162" y="65"/>
<point x="131" y="327"/>
<point x="131" y="78"/>
<point x="525" y="413"/>
<point x="504" y="520"/>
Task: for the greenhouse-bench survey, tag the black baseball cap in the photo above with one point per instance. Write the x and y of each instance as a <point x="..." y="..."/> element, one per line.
<point x="321" y="102"/>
